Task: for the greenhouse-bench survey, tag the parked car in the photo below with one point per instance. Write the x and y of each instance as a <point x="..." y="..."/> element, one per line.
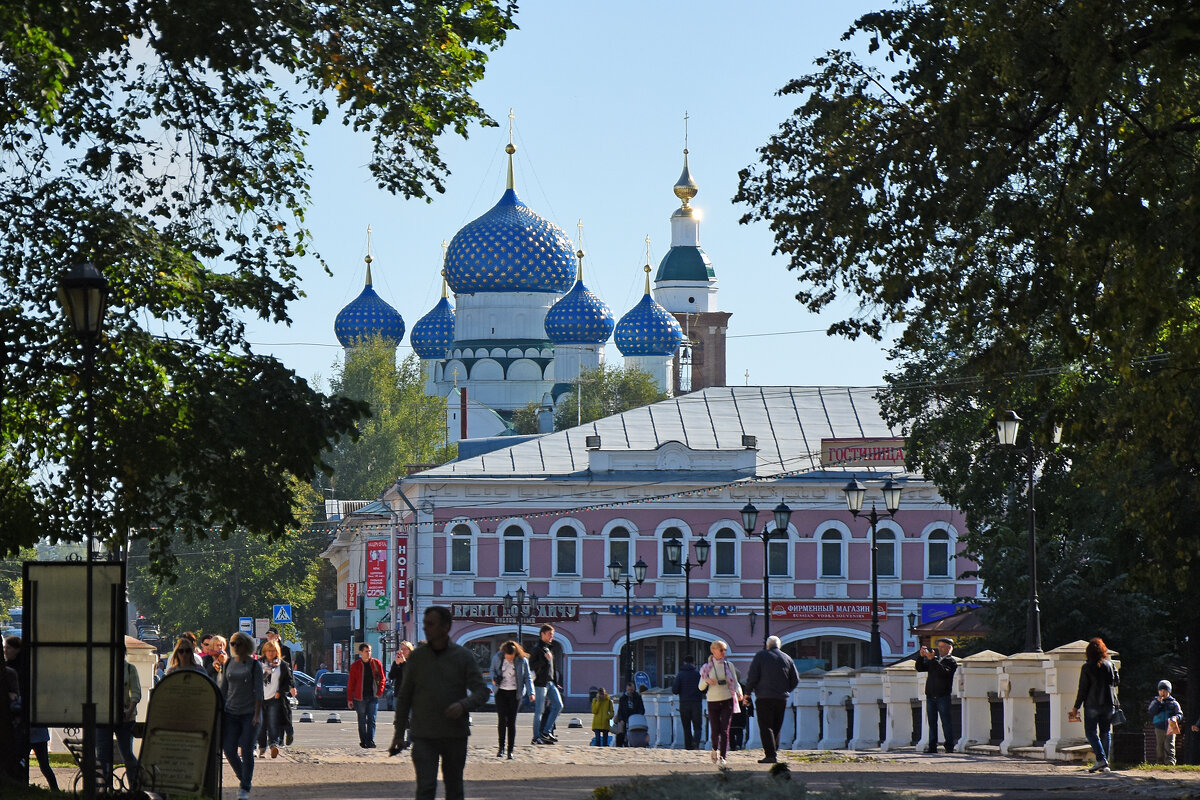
<point x="330" y="690"/>
<point x="305" y="686"/>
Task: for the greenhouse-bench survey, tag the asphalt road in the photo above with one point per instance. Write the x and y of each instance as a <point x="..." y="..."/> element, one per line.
<point x="325" y="763"/>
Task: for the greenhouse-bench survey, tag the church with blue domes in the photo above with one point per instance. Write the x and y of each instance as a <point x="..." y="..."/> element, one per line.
<point x="523" y="325"/>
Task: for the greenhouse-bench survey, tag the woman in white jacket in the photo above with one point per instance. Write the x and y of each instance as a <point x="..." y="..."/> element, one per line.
<point x="721" y="683"/>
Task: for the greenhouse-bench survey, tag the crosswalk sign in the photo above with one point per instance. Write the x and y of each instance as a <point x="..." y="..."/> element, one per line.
<point x="281" y="614"/>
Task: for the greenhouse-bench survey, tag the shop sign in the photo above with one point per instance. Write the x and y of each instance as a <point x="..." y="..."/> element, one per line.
<point x="498" y="613"/>
<point x="862" y="452"/>
<point x="377" y="568"/>
<point x="825" y="609"/>
<point x="698" y="610"/>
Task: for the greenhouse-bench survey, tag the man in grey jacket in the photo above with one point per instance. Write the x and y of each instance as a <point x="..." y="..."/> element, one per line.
<point x="772" y="677"/>
<point x="442" y="684"/>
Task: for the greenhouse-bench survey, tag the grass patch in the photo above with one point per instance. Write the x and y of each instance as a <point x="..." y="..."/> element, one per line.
<point x="1144" y="767"/>
<point x="15" y="791"/>
<point x="729" y="785"/>
<point x="830" y="757"/>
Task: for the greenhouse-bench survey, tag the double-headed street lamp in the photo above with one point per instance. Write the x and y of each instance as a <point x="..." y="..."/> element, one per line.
<point x="83" y="294"/>
<point x="855" y="492"/>
<point x="615" y="570"/>
<point x="1007" y="425"/>
<point x="674" y="549"/>
<point x="783" y="516"/>
<point x="519" y="609"/>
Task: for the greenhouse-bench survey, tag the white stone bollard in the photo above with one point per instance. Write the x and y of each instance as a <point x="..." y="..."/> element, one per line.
<point x="866" y="691"/>
<point x="1062" y="681"/>
<point x="975" y="680"/>
<point x="1018" y="675"/>
<point x="835" y="691"/>
<point x="808" y="709"/>
<point x="901" y="685"/>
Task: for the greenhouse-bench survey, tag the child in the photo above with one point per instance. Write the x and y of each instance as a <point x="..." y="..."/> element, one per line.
<point x="1164" y="710"/>
<point x="602" y="711"/>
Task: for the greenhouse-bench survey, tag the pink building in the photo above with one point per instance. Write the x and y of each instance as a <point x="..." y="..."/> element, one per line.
<point x="550" y="513"/>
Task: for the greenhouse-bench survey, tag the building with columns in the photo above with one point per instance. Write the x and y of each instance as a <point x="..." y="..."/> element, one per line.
<point x="549" y="514"/>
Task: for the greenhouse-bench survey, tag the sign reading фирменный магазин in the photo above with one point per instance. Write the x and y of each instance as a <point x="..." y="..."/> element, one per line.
<point x="569" y="612"/>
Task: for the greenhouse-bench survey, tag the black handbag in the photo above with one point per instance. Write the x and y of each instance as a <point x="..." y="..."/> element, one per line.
<point x="1118" y="717"/>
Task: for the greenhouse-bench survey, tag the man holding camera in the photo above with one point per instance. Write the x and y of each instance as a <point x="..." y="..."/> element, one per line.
<point x="940" y="667"/>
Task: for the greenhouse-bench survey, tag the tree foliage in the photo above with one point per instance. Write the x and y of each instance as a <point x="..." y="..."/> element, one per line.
<point x="166" y="143"/>
<point x="234" y="574"/>
<point x="405" y="426"/>
<point x="605" y="391"/>
<point x="1014" y="192"/>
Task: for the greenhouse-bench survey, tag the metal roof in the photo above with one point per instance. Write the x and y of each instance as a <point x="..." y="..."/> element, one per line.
<point x="788" y="421"/>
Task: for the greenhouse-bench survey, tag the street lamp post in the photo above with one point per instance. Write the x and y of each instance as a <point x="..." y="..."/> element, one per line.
<point x="1007" y="425"/>
<point x="674" y="554"/>
<point x="615" y="570"/>
<point x="783" y="516"/>
<point x="83" y="294"/>
<point x="855" y="492"/>
<point x="520" y="610"/>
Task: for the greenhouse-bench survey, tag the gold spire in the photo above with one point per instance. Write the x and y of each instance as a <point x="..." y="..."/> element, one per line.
<point x="579" y="252"/>
<point x="685" y="187"/>
<point x="445" y="248"/>
<point x="647" y="267"/>
<point x="369" y="257"/>
<point x="510" y="148"/>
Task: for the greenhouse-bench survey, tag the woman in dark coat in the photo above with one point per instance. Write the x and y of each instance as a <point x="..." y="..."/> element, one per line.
<point x="1098" y="679"/>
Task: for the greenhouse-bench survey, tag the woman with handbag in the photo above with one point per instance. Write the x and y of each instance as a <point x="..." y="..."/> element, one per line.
<point x="1167" y="716"/>
<point x="722" y="685"/>
<point x="1098" y="679"/>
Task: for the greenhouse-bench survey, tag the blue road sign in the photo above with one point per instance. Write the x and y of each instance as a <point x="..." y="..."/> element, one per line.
<point x="246" y="625"/>
<point x="281" y="614"/>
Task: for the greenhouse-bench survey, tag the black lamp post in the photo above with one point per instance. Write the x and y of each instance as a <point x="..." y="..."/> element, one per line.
<point x="519" y="610"/>
<point x="674" y="553"/>
<point x="855" y="492"/>
<point x="783" y="516"/>
<point x="83" y="294"/>
<point x="639" y="574"/>
<point x="1007" y="425"/>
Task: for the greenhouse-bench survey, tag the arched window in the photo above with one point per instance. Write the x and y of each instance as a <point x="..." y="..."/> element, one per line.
<point x="618" y="548"/>
<point x="831" y="554"/>
<point x="724" y="551"/>
<point x="937" y="560"/>
<point x="777" y="553"/>
<point x="885" y="542"/>
<point x="566" y="551"/>
<point x="460" y="548"/>
<point x="513" y="542"/>
<point x="665" y="566"/>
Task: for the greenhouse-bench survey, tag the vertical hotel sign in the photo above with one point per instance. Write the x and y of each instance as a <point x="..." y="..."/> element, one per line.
<point x="401" y="573"/>
<point x="377" y="567"/>
<point x="862" y="452"/>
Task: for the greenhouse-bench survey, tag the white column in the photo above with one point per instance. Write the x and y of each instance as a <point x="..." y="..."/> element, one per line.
<point x="835" y="691"/>
<point x="866" y="691"/>
<point x="901" y="686"/>
<point x="787" y="732"/>
<point x="807" y="703"/>
<point x="1018" y="675"/>
<point x="1062" y="681"/>
<point x="975" y="679"/>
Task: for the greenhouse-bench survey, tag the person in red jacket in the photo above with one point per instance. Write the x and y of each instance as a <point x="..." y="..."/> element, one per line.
<point x="363" y="690"/>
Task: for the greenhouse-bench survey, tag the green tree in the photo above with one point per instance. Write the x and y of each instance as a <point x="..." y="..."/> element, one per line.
<point x="1022" y="187"/>
<point x="605" y="391"/>
<point x="237" y="573"/>
<point x="166" y="142"/>
<point x="406" y="426"/>
<point x="525" y="419"/>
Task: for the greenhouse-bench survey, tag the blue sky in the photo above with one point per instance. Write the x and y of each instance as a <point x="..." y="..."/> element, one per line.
<point x="599" y="91"/>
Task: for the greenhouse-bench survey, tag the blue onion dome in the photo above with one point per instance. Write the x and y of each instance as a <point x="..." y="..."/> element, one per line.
<point x="433" y="334"/>
<point x="368" y="315"/>
<point x="510" y="249"/>
<point x="580" y="317"/>
<point x="648" y="329"/>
